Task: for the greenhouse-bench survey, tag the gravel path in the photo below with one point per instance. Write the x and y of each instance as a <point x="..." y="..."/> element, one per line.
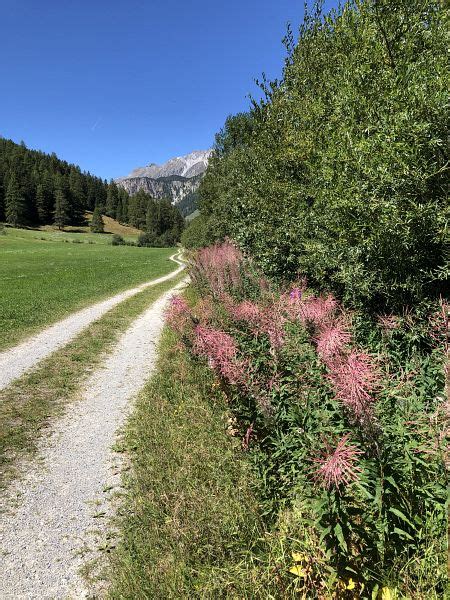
<point x="16" y="361"/>
<point x="50" y="515"/>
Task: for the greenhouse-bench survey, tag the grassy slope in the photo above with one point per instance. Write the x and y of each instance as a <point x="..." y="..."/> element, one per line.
<point x="42" y="280"/>
<point x="190" y="515"/>
<point x="111" y="226"/>
<point x="28" y="404"/>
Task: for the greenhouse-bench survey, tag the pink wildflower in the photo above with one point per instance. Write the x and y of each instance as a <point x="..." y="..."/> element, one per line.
<point x="247" y="311"/>
<point x="205" y="310"/>
<point x="332" y="339"/>
<point x="247" y="437"/>
<point x="338" y="466"/>
<point x="221" y="351"/>
<point x="219" y="266"/>
<point x="295" y="294"/>
<point x="272" y="322"/>
<point x="317" y="310"/>
<point x="388" y="322"/>
<point x="269" y="319"/>
<point x="178" y="316"/>
<point x="354" y="378"/>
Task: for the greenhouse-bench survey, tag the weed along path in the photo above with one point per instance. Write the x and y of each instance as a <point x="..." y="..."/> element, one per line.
<point x="16" y="361"/>
<point x="52" y="513"/>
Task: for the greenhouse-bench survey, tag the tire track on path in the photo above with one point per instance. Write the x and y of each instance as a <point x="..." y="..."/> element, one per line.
<point x="49" y="515"/>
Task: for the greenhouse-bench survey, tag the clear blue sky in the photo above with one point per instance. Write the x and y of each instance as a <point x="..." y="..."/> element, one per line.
<point x="115" y="84"/>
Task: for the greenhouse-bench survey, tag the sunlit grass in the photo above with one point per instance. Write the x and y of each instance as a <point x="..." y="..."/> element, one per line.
<point x="45" y="276"/>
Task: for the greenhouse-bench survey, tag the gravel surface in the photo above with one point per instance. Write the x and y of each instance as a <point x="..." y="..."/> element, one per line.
<point x="51" y="514"/>
<point x="16" y="361"/>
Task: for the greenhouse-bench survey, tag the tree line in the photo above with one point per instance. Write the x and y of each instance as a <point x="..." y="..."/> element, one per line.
<point x="39" y="189"/>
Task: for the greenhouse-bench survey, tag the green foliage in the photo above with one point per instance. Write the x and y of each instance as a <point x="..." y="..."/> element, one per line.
<point x="15" y="208"/>
<point x="384" y="527"/>
<point x="199" y="232"/>
<point x="341" y="171"/>
<point x="61" y="208"/>
<point x="38" y="175"/>
<point x="117" y="240"/>
<point x="97" y="225"/>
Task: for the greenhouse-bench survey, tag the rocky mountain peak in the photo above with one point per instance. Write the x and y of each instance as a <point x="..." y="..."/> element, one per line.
<point x="177" y="179"/>
<point x="190" y="165"/>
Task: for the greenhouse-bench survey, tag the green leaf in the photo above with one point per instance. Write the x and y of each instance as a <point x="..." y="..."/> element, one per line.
<point x="401" y="515"/>
<point x="340" y="536"/>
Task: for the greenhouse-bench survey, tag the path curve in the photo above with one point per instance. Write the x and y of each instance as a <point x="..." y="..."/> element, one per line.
<point x="54" y="505"/>
<point x="19" y="359"/>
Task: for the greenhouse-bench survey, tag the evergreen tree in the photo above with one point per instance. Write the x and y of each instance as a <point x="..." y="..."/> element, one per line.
<point x="112" y="199"/>
<point x="15" y="207"/>
<point x="41" y="203"/>
<point x="78" y="197"/>
<point x="119" y="211"/>
<point x="97" y="225"/>
<point x="61" y="208"/>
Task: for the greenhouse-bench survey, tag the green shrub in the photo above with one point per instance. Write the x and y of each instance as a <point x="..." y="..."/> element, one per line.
<point x="341" y="172"/>
<point x="117" y="240"/>
<point x="165" y="240"/>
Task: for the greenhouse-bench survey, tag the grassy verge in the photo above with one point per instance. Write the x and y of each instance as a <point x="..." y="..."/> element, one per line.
<point x="45" y="279"/>
<point x="27" y="406"/>
<point x="190" y="513"/>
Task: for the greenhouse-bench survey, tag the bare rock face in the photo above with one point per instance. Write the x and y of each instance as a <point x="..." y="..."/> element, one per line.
<point x="176" y="179"/>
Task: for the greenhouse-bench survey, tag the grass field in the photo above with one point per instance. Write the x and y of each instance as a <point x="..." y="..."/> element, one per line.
<point x="45" y="275"/>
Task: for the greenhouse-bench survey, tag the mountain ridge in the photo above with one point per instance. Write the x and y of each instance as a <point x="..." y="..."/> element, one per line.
<point x="177" y="179"/>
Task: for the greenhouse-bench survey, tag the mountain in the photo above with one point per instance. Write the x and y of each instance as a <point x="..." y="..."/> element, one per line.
<point x="177" y="179"/>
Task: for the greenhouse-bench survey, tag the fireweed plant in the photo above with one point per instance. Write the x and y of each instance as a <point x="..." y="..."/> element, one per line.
<point x="349" y="440"/>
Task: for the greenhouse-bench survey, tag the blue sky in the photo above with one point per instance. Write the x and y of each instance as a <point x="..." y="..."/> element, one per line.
<point x="115" y="84"/>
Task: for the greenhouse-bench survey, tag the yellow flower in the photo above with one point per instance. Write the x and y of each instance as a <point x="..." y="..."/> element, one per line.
<point x="298" y="557"/>
<point x="351" y="584"/>
<point x="386" y="594"/>
<point x="297" y="570"/>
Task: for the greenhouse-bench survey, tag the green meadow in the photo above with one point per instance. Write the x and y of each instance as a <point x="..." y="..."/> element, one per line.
<point x="46" y="275"/>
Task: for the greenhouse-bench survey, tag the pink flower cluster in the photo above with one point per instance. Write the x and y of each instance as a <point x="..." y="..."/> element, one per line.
<point x="269" y="319"/>
<point x="332" y="339"/>
<point x="178" y="315"/>
<point x="337" y="466"/>
<point x="246" y="311"/>
<point x="354" y="379"/>
<point x="317" y="310"/>
<point x="220" y="266"/>
<point x="221" y="351"/>
<point x="352" y="373"/>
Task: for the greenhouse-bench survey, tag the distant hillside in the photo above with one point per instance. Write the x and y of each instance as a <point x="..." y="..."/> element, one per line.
<point x="177" y="179"/>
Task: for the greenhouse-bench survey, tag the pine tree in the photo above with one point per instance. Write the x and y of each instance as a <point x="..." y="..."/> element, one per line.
<point x="41" y="203"/>
<point x="61" y="208"/>
<point x="15" y="206"/>
<point x="97" y="225"/>
<point x="77" y="197"/>
<point x="112" y="199"/>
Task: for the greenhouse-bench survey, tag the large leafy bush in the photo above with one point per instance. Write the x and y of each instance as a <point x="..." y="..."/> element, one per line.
<point x="341" y="171"/>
